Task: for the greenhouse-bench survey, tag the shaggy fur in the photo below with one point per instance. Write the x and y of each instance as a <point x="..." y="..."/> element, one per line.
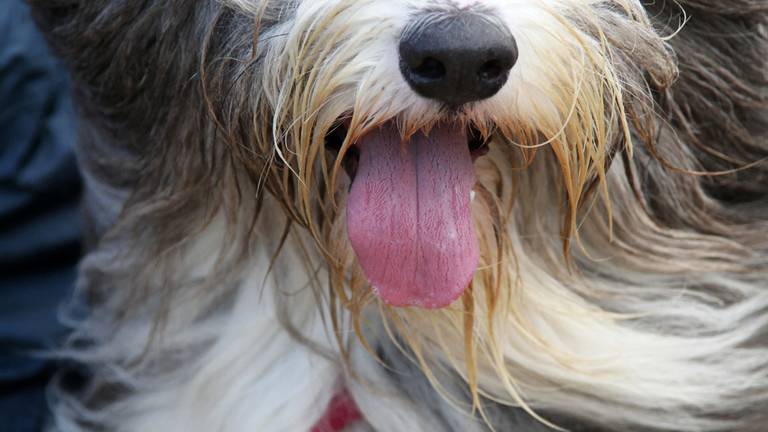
<point x="621" y="213"/>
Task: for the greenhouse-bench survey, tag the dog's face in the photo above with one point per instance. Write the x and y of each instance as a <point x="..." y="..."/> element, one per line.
<point x="442" y="150"/>
<point x="442" y="155"/>
<point x="425" y="105"/>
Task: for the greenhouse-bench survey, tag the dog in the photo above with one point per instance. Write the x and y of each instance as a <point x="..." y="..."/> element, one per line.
<point x="438" y="215"/>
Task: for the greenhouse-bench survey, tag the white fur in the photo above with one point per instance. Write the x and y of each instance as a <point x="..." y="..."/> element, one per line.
<point x="252" y="377"/>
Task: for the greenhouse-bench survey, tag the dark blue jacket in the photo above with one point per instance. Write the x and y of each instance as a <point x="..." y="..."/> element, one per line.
<point x="39" y="232"/>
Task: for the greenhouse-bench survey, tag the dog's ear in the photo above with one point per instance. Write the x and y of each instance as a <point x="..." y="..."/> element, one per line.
<point x="132" y="61"/>
<point x="135" y="67"/>
<point x="719" y="104"/>
<point x="91" y="35"/>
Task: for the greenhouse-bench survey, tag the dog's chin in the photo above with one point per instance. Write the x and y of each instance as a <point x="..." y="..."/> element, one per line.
<point x="409" y="220"/>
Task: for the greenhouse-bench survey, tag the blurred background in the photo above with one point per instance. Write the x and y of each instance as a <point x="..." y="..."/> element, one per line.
<point x="39" y="216"/>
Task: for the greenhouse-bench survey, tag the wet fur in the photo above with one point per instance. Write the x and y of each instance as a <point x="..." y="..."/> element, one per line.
<point x="207" y="252"/>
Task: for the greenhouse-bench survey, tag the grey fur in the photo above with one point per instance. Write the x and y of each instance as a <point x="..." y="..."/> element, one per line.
<point x="164" y="113"/>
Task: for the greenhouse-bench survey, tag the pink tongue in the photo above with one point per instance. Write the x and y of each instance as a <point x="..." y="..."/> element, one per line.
<point x="408" y="215"/>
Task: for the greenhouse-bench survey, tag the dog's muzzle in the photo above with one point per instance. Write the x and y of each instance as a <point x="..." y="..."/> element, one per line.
<point x="457" y="59"/>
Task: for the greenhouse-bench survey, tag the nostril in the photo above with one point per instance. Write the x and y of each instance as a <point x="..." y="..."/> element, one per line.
<point x="430" y="69"/>
<point x="491" y="70"/>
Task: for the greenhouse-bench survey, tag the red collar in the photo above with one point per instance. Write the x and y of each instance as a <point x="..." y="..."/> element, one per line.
<point x="342" y="412"/>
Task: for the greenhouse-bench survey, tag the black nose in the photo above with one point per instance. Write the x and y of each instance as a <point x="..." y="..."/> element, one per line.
<point x="457" y="59"/>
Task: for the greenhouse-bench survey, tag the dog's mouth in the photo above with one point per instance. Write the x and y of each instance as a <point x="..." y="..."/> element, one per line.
<point x="334" y="140"/>
<point x="408" y="211"/>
